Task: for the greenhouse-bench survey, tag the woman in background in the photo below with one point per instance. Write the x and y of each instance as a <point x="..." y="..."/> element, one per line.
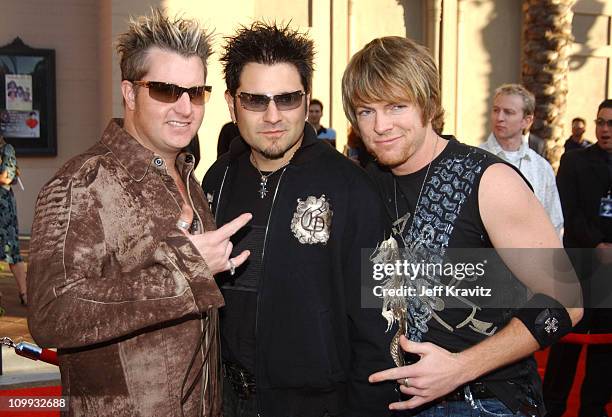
<point x="9" y="233"/>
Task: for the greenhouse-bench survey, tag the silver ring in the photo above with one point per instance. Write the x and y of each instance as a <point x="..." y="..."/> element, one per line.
<point x="232" y="267"/>
<point x="182" y="224"/>
<point x="405" y="382"/>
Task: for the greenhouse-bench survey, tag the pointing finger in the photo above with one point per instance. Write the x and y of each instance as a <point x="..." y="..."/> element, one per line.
<point x="229" y="229"/>
<point x="392" y="374"/>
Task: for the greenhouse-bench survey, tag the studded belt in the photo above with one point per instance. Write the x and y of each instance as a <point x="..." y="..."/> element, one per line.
<point x="478" y="389"/>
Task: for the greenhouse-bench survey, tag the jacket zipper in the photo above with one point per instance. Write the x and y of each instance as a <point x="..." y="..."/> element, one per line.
<point x="261" y="282"/>
<point x="220" y="191"/>
<point x="263" y="252"/>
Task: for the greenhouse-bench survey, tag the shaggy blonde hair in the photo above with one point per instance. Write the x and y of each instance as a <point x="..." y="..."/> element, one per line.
<point x="176" y="34"/>
<point x="393" y="69"/>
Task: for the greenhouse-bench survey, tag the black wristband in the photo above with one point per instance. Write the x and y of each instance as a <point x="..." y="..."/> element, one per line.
<point x="546" y="319"/>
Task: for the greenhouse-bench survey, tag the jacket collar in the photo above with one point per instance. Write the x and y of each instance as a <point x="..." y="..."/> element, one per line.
<point x="493" y="146"/>
<point x="307" y="150"/>
<point x="597" y="153"/>
<point x="135" y="158"/>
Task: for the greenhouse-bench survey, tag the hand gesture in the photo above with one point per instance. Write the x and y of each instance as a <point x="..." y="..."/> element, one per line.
<point x="437" y="373"/>
<point x="215" y="246"/>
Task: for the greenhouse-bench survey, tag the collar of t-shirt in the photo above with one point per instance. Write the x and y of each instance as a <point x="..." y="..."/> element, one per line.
<point x="514" y="157"/>
<point x="493" y="146"/>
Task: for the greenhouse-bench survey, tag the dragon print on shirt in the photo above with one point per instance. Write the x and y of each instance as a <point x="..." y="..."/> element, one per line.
<point x="426" y="239"/>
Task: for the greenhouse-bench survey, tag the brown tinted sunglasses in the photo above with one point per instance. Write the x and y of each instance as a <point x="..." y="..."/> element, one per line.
<point x="170" y="93"/>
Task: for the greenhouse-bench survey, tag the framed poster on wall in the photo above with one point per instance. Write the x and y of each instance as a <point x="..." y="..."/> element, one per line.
<point x="27" y="99"/>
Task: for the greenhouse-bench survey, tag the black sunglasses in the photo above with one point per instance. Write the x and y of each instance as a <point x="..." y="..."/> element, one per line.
<point x="260" y="102"/>
<point x="170" y="93"/>
<point x="599" y="122"/>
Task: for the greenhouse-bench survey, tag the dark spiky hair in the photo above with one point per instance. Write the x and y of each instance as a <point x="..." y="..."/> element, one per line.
<point x="268" y="44"/>
<point x="606" y="104"/>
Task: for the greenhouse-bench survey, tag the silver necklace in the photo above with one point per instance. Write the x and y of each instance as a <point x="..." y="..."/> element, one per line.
<point x="263" y="182"/>
<point x="403" y="220"/>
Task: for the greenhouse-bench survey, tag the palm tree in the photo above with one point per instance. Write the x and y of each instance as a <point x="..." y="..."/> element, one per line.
<point x="547" y="41"/>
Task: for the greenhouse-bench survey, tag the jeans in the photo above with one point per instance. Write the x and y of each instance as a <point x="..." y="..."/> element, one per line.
<point x="480" y="408"/>
<point x="470" y="407"/>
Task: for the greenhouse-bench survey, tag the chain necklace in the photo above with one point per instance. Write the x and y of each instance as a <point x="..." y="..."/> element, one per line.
<point x="263" y="182"/>
<point x="403" y="221"/>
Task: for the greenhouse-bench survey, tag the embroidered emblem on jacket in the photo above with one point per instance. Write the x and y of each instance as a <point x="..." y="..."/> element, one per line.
<point x="311" y="221"/>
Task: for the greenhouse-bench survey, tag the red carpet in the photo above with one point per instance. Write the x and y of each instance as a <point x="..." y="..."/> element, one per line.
<point x="573" y="402"/>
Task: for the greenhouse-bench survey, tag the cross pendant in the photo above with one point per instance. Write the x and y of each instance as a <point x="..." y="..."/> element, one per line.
<point x="263" y="190"/>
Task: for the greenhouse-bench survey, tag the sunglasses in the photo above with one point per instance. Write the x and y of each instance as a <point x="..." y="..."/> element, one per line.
<point x="260" y="102"/>
<point x="170" y="93"/>
<point x="601" y="122"/>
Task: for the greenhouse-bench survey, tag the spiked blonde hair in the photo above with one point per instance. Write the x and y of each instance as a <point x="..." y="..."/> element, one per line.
<point x="176" y="34"/>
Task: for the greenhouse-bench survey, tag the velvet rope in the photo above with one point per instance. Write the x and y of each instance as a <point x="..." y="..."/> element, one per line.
<point x="588" y="339"/>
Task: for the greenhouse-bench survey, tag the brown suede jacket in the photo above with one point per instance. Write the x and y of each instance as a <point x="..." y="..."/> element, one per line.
<point x="119" y="290"/>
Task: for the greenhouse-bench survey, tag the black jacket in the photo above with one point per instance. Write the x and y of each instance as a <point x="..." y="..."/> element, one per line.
<point x="312" y="335"/>
<point x="583" y="179"/>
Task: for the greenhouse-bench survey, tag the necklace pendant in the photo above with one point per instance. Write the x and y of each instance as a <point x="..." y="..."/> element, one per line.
<point x="263" y="191"/>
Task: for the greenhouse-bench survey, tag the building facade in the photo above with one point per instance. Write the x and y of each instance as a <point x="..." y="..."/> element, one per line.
<point x="477" y="44"/>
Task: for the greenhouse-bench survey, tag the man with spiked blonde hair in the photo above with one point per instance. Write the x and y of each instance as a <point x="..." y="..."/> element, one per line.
<point x="124" y="249"/>
<point x="471" y="352"/>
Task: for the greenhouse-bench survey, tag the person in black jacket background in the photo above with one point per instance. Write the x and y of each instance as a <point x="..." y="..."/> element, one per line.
<point x="295" y="340"/>
<point x="585" y="186"/>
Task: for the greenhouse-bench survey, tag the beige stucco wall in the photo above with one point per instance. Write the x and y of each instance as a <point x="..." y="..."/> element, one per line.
<point x="71" y="29"/>
<point x="488" y="55"/>
<point x="477" y="46"/>
<point x="590" y="79"/>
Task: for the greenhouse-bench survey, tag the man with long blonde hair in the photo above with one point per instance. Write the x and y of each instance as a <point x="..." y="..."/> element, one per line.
<point x="471" y="359"/>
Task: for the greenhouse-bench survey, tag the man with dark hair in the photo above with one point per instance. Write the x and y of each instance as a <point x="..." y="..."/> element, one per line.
<point x="585" y="186"/>
<point x="576" y="139"/>
<point x="124" y="249"/>
<point x="315" y="112"/>
<point x="472" y="353"/>
<point x="295" y="341"/>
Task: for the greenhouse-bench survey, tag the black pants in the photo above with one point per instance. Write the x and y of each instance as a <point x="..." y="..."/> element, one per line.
<point x="234" y="406"/>
<point x="561" y="368"/>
